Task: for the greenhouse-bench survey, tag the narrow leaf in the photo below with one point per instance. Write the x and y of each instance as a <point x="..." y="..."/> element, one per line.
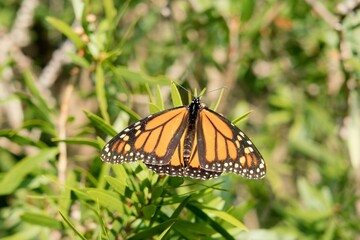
<point x="100" y="92"/>
<point x="107" y="200"/>
<point x="217" y="227"/>
<point x="67" y="221"/>
<point x="219" y="99"/>
<point x="30" y="83"/>
<point x="159" y="98"/>
<point x="175" y="96"/>
<point x="149" y="233"/>
<point x="154" y="108"/>
<point x="119" y="185"/>
<point x="66" y="30"/>
<point x="237" y="120"/>
<point x="79" y="141"/>
<point x="42" y="220"/>
<point x="80" y="61"/>
<point x="14" y="137"/>
<point x="227" y="217"/>
<point x="247" y="9"/>
<point x="128" y="110"/>
<point x="15" y="176"/>
<point x="136" y="77"/>
<point x="100" y="123"/>
<point x="181" y="206"/>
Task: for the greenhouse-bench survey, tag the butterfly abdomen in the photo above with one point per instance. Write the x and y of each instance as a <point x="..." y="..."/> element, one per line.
<point x="194" y="108"/>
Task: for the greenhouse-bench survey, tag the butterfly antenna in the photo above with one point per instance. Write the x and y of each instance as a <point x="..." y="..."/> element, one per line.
<point x="222" y="89"/>
<point x="189" y="93"/>
<point x="214" y="90"/>
<point x="177" y="84"/>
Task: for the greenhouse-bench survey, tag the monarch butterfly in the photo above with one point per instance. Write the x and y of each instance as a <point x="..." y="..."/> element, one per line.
<point x="190" y="141"/>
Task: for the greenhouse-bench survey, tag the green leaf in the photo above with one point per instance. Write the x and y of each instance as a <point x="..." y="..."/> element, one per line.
<point x="120" y="172"/>
<point x="217" y="227"/>
<point x="219" y="99"/>
<point x="158" y="229"/>
<point x="66" y="30"/>
<point x="132" y="114"/>
<point x="100" y="123"/>
<point x="164" y="234"/>
<point x="15" y="176"/>
<point x="79" y="141"/>
<point x="14" y="137"/>
<point x="201" y="93"/>
<point x="78" y="60"/>
<point x="42" y="220"/>
<point x="154" y="108"/>
<point x="104" y="170"/>
<point x="67" y="221"/>
<point x="237" y="120"/>
<point x="119" y="185"/>
<point x="192" y="230"/>
<point x="159" y="99"/>
<point x="156" y="192"/>
<point x="31" y="232"/>
<point x="227" y="217"/>
<point x="100" y="92"/>
<point x="43" y="125"/>
<point x="136" y="77"/>
<point x="106" y="199"/>
<point x="175" y="96"/>
<point x="110" y="10"/>
<point x="30" y="83"/>
<point x="247" y="9"/>
<point x="176" y="181"/>
<point x="181" y="206"/>
<point x="149" y="211"/>
<point x="38" y="111"/>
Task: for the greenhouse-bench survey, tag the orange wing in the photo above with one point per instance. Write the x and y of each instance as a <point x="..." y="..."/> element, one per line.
<point x="222" y="147"/>
<point x="175" y="165"/>
<point x="159" y="141"/>
<point x="155" y="140"/>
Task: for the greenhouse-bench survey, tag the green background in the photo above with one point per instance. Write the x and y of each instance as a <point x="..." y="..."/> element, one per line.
<point x="74" y="73"/>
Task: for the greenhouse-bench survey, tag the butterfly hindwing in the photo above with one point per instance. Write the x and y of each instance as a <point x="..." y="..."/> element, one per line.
<point x="193" y="168"/>
<point x="175" y="165"/>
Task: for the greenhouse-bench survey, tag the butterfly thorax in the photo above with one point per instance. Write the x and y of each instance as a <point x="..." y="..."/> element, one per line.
<point x="194" y="109"/>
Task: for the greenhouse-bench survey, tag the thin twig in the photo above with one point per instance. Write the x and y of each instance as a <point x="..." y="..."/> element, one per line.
<point x="346" y="7"/>
<point x="64" y="111"/>
<point x="325" y="14"/>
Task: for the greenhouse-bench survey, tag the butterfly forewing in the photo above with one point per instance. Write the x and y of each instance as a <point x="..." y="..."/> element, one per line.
<point x="152" y="139"/>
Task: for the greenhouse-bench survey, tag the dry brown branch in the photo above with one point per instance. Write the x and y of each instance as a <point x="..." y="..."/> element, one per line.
<point x="50" y="73"/>
<point x="325" y="14"/>
<point x="64" y="112"/>
<point x="347" y="7"/>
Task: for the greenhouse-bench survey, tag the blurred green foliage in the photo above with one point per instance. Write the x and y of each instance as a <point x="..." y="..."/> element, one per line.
<point x="82" y="69"/>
